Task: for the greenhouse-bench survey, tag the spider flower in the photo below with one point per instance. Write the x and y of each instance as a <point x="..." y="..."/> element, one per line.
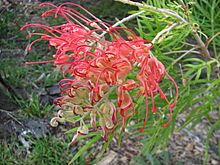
<point x="94" y="66"/>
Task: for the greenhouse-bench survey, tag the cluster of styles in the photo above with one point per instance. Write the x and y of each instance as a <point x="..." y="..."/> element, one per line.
<point x="96" y="59"/>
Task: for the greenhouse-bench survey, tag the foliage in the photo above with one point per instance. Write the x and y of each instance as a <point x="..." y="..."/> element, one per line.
<point x="34" y="108"/>
<point x="48" y="150"/>
<point x="14" y="76"/>
<point x="206" y="14"/>
<point x="5" y="23"/>
<point x="9" y="32"/>
<point x="200" y="77"/>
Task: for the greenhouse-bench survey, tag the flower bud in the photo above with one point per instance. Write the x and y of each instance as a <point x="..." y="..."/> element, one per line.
<point x="78" y="110"/>
<point x="83" y="130"/>
<point x="108" y="122"/>
<point x="75" y="138"/>
<point x="81" y="92"/>
<point x="54" y="121"/>
<point x="105" y="108"/>
<point x="102" y="125"/>
<point x="60" y="113"/>
<point x="93" y="119"/>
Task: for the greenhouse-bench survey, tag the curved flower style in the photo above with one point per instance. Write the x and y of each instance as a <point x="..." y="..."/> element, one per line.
<point x="97" y="67"/>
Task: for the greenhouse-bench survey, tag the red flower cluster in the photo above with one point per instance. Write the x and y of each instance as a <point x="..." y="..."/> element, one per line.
<point x="97" y="59"/>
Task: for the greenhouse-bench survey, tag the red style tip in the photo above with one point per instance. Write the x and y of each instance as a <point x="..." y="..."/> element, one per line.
<point x="22" y="28"/>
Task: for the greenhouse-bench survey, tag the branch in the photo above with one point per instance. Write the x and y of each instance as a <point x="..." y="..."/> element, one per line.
<point x="204" y="50"/>
<point x="210" y="39"/>
<point x="155" y="9"/>
<point x="130" y="17"/>
<point x="9" y="114"/>
<point x="179" y="58"/>
<point x="180" y="51"/>
<point x="164" y="31"/>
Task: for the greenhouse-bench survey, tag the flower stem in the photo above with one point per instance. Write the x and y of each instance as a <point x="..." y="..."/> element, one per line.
<point x="105" y="96"/>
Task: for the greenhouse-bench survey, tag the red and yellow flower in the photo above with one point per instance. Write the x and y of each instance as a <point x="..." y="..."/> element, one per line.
<point x="97" y="66"/>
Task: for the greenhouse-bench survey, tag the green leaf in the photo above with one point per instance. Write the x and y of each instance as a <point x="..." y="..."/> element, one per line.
<point x="194" y="59"/>
<point x="84" y="148"/>
<point x="209" y="70"/>
<point x="120" y="137"/>
<point x="148" y="145"/>
<point x="89" y="135"/>
<point x="140" y="29"/>
<point x="73" y="130"/>
<point x="189" y="72"/>
<point x="198" y="74"/>
<point x="191" y="65"/>
<point x="213" y="84"/>
<point x="105" y="146"/>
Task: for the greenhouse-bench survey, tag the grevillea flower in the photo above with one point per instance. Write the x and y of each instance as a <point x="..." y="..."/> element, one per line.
<point x="94" y="66"/>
